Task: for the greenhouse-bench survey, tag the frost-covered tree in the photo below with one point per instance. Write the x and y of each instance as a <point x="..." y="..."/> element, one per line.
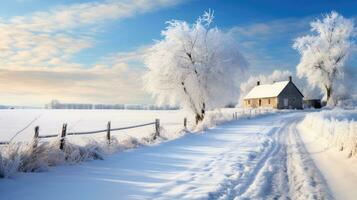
<point x="325" y="52"/>
<point x="194" y="65"/>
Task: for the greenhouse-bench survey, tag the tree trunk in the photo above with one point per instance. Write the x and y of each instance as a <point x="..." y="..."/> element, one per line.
<point x="200" y="116"/>
<point x="328" y="93"/>
<point x="329" y="100"/>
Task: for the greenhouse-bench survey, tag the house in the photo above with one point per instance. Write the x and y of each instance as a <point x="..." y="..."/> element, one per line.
<point x="279" y="95"/>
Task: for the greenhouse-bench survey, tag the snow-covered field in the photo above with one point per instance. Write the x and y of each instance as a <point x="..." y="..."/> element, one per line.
<point x="51" y="121"/>
<point x="23" y="121"/>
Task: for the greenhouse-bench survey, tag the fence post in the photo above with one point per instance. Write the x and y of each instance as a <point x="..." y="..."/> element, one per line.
<point x="185" y="122"/>
<point x="63" y="135"/>
<point x="108" y="132"/>
<point x="157" y="128"/>
<point x="35" y="137"/>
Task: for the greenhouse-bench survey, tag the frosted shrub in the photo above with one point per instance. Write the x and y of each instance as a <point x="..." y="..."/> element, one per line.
<point x="218" y="116"/>
<point x="38" y="159"/>
<point x="9" y="160"/>
<point x="91" y="151"/>
<point x="129" y="143"/>
<point x="331" y="125"/>
<point x="22" y="157"/>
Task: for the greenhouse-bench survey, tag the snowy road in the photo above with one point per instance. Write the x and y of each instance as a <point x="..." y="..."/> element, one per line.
<point x="282" y="171"/>
<point x="260" y="158"/>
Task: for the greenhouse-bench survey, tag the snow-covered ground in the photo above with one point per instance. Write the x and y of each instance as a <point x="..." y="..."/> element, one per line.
<point x="266" y="157"/>
<point x="186" y="168"/>
<point x="330" y="138"/>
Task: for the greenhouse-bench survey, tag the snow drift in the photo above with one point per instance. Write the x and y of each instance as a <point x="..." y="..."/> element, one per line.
<point x="336" y="128"/>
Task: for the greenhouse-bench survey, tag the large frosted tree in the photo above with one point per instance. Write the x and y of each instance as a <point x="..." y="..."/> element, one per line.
<point x="194" y="65"/>
<point x="325" y="52"/>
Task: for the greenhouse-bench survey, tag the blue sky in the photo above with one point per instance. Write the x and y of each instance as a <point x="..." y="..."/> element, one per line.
<point x="90" y="51"/>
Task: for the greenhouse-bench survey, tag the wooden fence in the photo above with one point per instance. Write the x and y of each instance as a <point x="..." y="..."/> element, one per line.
<point x="108" y="132"/>
<point x="247" y="113"/>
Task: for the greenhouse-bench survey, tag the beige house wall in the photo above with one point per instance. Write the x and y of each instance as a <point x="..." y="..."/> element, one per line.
<point x="264" y="102"/>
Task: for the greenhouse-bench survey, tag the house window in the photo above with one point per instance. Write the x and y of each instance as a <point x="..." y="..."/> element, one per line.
<point x="268" y="101"/>
<point x="260" y="102"/>
<point x="286" y="102"/>
<point x="248" y="101"/>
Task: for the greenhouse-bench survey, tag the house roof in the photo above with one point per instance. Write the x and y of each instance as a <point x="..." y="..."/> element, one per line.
<point x="267" y="90"/>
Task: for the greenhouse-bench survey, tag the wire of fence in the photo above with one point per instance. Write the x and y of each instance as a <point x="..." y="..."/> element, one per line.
<point x="28" y="125"/>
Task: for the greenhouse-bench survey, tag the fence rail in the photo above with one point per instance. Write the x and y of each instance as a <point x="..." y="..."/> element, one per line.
<point x="3" y="143"/>
<point x="108" y="131"/>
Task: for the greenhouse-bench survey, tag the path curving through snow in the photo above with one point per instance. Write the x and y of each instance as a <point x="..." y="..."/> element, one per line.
<point x="282" y="171"/>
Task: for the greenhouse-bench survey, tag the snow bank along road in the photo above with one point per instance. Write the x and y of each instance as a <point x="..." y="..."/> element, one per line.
<point x="260" y="158"/>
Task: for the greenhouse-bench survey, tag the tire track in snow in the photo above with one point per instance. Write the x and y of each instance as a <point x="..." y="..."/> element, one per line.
<point x="271" y="180"/>
<point x="306" y="181"/>
<point x="236" y="186"/>
<point x="282" y="171"/>
<point x="187" y="183"/>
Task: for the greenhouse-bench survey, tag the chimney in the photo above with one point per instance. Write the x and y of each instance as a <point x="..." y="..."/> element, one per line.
<point x="290" y="79"/>
<point x="258" y="82"/>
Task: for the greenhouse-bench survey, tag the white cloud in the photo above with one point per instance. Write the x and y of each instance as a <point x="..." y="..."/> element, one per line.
<point x="133" y="57"/>
<point x="272" y="28"/>
<point x="54" y="34"/>
<point x="80" y="14"/>
<point x="37" y="50"/>
<point x="107" y="84"/>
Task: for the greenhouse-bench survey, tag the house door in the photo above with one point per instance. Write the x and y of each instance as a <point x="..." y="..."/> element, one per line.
<point x="260" y="102"/>
<point x="286" y="102"/>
